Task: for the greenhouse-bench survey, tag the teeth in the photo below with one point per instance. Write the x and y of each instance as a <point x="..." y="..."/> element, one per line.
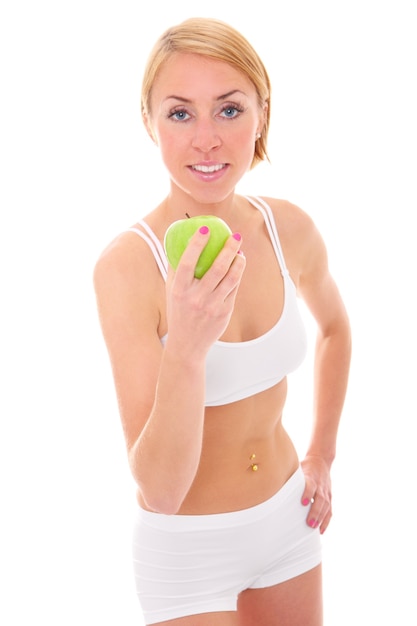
<point x="208" y="169"/>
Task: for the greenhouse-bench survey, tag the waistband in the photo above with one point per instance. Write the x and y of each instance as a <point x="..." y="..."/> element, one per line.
<point x="188" y="523"/>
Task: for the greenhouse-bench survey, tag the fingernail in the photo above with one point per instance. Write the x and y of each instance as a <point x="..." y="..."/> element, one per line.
<point x="237" y="236"/>
<point x="313" y="523"/>
<point x="203" y="230"/>
<point x="306" y="501"/>
<point x="240" y="252"/>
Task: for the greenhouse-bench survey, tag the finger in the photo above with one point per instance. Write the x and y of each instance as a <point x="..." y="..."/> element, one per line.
<point x="227" y="289"/>
<point x="192" y="252"/>
<point x="223" y="264"/>
<point x="325" y="522"/>
<point x="308" y="494"/>
<point x="319" y="511"/>
<point x="307" y="500"/>
<point x="195" y="248"/>
<point x="313" y="518"/>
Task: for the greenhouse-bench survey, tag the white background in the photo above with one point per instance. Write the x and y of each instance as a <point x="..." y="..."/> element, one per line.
<point x="77" y="168"/>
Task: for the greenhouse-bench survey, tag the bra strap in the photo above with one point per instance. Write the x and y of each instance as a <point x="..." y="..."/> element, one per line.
<point x="266" y="211"/>
<point x="155" y="246"/>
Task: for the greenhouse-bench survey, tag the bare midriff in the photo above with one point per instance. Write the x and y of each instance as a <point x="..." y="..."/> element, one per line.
<point x="246" y="457"/>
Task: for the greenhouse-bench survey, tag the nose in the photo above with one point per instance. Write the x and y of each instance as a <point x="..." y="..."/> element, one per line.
<point x="206" y="137"/>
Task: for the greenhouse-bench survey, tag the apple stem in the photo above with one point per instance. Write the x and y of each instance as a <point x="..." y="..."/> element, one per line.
<point x="188" y="216"/>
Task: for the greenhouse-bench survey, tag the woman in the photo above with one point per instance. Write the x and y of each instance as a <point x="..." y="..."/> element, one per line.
<point x="229" y="520"/>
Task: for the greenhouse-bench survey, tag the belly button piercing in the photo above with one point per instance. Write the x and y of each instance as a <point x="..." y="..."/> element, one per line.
<point x="254" y="466"/>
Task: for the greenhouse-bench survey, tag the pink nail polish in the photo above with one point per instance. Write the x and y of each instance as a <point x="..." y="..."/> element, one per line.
<point x="237" y="236"/>
<point x="313" y="523"/>
<point x="306" y="501"/>
<point x="204" y="230"/>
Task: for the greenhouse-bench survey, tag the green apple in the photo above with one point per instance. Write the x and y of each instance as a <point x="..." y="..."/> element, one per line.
<point x="180" y="232"/>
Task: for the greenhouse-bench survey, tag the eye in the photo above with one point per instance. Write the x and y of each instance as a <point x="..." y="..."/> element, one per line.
<point x="231" y="111"/>
<point x="179" y="115"/>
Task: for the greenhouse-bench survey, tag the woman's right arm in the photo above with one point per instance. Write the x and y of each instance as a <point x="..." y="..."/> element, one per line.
<point x="161" y="391"/>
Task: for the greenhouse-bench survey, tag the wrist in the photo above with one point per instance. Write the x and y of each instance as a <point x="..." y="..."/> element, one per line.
<point x="183" y="354"/>
<point x="327" y="458"/>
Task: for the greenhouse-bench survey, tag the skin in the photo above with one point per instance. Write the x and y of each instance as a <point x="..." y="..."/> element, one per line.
<point x="187" y="459"/>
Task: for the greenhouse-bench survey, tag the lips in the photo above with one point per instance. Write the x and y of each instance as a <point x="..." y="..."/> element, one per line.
<point x="209" y="169"/>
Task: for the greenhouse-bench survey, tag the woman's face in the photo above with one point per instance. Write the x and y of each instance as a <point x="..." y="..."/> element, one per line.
<point x="205" y="116"/>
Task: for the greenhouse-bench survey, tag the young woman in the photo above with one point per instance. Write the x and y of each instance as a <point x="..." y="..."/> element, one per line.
<point x="229" y="519"/>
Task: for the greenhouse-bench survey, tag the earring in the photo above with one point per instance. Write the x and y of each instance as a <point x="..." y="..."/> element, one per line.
<point x="258" y="136"/>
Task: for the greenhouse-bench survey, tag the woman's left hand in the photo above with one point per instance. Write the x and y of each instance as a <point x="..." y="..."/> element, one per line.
<point x="317" y="492"/>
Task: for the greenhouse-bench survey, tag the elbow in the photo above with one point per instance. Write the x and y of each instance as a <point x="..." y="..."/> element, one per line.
<point x="165" y="504"/>
<point x="159" y="496"/>
<point x="161" y="491"/>
<point x="339" y="334"/>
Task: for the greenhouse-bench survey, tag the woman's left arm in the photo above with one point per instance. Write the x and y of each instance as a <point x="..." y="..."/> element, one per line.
<point x="331" y="369"/>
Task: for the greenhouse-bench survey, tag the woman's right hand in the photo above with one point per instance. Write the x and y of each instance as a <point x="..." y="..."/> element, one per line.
<point x="199" y="310"/>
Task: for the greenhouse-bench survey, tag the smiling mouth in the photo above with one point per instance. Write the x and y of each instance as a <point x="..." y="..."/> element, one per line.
<point x="209" y="169"/>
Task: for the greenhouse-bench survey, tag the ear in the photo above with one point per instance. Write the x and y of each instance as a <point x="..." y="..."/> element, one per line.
<point x="146" y="121"/>
<point x="263" y="117"/>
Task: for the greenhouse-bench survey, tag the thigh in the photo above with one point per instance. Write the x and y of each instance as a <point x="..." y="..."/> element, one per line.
<point x="295" y="602"/>
<point x="221" y="618"/>
<point x="188" y="566"/>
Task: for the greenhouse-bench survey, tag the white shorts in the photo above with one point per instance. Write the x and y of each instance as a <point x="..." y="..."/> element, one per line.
<point x="192" y="564"/>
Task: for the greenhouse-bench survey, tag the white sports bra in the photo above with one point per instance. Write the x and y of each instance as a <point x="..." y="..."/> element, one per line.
<point x="237" y="370"/>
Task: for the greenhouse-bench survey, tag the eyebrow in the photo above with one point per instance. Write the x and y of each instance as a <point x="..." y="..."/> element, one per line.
<point x="218" y="99"/>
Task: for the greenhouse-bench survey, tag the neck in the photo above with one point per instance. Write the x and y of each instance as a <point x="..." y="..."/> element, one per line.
<point x="178" y="206"/>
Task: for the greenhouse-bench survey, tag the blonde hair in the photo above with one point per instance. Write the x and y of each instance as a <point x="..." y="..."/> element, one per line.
<point x="215" y="39"/>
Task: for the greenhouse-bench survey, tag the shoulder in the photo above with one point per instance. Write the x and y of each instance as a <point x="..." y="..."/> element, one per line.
<point x="127" y="282"/>
<point x="300" y="238"/>
<point x="127" y="257"/>
<point x="307" y="260"/>
<point x="289" y="217"/>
